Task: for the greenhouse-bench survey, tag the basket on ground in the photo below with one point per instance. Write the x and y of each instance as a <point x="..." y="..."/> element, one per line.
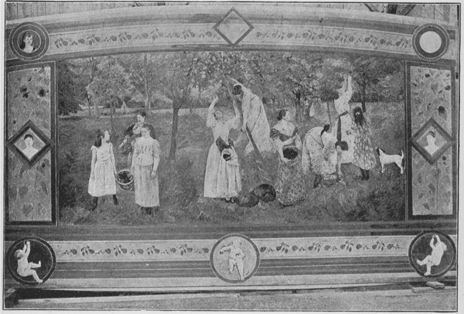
<point x="125" y="179"/>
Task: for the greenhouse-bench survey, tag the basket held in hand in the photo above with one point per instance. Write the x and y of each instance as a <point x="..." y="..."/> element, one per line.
<point x="125" y="180"/>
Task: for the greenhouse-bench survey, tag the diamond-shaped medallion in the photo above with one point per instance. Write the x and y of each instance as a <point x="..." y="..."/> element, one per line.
<point x="432" y="141"/>
<point x="233" y="27"/>
<point x="30" y="144"/>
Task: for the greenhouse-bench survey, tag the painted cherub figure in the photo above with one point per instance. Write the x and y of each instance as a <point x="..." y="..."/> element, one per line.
<point x="24" y="267"/>
<point x="236" y="257"/>
<point x="434" y="259"/>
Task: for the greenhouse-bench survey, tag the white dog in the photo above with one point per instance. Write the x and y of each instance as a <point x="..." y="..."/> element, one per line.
<point x="390" y="159"/>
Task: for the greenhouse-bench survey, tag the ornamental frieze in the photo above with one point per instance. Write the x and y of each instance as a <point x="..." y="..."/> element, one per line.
<point x="190" y="250"/>
<point x="138" y="36"/>
<point x="169" y="35"/>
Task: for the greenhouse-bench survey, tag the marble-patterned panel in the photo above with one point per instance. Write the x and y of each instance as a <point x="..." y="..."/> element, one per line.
<point x="29" y="92"/>
<point x="29" y="190"/>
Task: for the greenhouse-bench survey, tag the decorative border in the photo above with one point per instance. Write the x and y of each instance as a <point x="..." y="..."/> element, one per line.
<point x="169" y="250"/>
<point x="179" y="28"/>
<point x="455" y="114"/>
<point x="53" y="138"/>
<point x="200" y="250"/>
<point x="39" y="31"/>
<point x="440" y="31"/>
<point x="283" y="44"/>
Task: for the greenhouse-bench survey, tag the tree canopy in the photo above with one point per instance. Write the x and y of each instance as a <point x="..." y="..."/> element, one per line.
<point x="190" y="79"/>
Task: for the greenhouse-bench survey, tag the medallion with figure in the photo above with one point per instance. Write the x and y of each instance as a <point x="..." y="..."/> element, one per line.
<point x="234" y="258"/>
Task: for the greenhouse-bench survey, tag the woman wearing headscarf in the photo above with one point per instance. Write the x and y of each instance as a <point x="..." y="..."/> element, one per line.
<point x="254" y="118"/>
<point x="364" y="154"/>
<point x="320" y="154"/>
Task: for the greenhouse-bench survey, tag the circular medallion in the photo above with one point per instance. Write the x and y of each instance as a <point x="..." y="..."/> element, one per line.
<point x="234" y="258"/>
<point x="31" y="260"/>
<point x="430" y="41"/>
<point x="29" y="41"/>
<point x="432" y="254"/>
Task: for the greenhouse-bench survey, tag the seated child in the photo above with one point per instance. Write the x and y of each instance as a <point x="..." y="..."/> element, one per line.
<point x="24" y="267"/>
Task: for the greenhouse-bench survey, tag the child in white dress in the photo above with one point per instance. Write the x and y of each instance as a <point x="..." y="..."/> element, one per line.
<point x="103" y="169"/>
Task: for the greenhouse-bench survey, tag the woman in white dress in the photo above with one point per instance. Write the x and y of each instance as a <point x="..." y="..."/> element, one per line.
<point x="103" y="169"/>
<point x="222" y="175"/>
<point x="145" y="163"/>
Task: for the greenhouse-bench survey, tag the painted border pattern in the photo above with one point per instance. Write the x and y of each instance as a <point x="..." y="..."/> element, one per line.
<point x="204" y="34"/>
<point x="182" y="28"/>
<point x="200" y="250"/>
<point x="44" y="74"/>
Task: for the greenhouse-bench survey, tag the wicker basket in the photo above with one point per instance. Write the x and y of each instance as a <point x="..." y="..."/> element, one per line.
<point x="128" y="186"/>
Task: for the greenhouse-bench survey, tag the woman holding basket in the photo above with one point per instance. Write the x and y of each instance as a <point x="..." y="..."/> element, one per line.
<point x="130" y="135"/>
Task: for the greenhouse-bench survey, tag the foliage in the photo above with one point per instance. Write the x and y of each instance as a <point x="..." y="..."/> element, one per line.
<point x="71" y="89"/>
<point x="111" y="83"/>
<point x="377" y="79"/>
<point x="281" y="79"/>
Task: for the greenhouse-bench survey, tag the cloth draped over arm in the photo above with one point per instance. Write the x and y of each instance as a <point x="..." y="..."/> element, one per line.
<point x="210" y="119"/>
<point x="156" y="155"/>
<point x="129" y="131"/>
<point x="234" y="123"/>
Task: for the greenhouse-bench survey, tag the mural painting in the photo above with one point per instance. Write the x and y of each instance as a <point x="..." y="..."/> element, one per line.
<point x="195" y="133"/>
<point x="171" y="148"/>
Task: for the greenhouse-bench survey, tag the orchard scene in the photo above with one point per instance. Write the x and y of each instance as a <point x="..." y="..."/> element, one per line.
<point x="175" y="90"/>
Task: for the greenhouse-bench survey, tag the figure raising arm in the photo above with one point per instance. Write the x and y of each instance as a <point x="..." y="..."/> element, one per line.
<point x="211" y="120"/>
<point x="24" y="267"/>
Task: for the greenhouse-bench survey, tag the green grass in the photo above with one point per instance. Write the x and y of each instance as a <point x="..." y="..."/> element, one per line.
<point x="181" y="181"/>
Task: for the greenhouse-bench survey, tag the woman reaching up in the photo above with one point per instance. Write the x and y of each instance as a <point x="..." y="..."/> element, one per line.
<point x="222" y="175"/>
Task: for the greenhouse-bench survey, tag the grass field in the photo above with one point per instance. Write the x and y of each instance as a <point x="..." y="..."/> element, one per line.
<point x="382" y="198"/>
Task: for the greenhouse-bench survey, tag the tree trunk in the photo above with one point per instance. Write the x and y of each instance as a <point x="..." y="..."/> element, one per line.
<point x="298" y="106"/>
<point x="92" y="75"/>
<point x="147" y="88"/>
<point x="97" y="111"/>
<point x="363" y="98"/>
<point x="111" y="115"/>
<point x="88" y="105"/>
<point x="192" y="106"/>
<point x="175" y="125"/>
<point x="328" y="112"/>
